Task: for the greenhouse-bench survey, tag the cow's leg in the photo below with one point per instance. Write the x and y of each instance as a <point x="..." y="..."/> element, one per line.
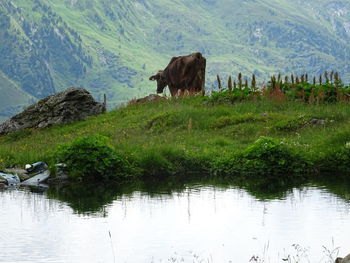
<point x="193" y="91"/>
<point x="173" y="92"/>
<point x="182" y="92"/>
<point x="189" y="92"/>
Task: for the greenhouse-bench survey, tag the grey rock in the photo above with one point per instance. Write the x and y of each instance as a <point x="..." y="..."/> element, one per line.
<point x="11" y="179"/>
<point x="22" y="174"/>
<point x="343" y="260"/>
<point x="318" y="121"/>
<point x="37" y="167"/>
<point x="3" y="180"/>
<point x="37" y="179"/>
<point x="15" y="170"/>
<point x="73" y="104"/>
<point x="149" y="98"/>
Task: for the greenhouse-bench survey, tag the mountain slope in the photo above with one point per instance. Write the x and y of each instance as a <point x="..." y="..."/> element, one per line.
<point x="12" y="98"/>
<point x="112" y="47"/>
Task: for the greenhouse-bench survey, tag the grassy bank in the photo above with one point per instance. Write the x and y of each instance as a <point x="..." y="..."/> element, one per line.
<point x="197" y="134"/>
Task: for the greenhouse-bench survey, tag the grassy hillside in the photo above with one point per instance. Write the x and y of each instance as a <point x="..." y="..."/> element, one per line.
<point x="12" y="98"/>
<point x="199" y="134"/>
<point x="113" y="46"/>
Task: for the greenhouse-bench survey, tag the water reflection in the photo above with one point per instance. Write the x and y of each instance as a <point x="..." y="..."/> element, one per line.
<point x="189" y="219"/>
<point x="93" y="198"/>
<point x="339" y="185"/>
<point x="88" y="199"/>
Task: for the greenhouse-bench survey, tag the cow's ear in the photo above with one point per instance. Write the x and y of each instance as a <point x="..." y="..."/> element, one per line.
<point x="154" y="77"/>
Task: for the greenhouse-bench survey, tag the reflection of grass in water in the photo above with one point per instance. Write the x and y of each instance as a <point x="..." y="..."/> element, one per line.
<point x="87" y="199"/>
<point x="90" y="199"/>
<point x="339" y="186"/>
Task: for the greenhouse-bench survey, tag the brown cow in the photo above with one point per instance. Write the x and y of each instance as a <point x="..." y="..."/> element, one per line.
<point x="182" y="73"/>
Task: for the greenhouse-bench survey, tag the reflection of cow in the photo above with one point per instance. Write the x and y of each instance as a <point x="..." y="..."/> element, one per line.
<point x="182" y="73"/>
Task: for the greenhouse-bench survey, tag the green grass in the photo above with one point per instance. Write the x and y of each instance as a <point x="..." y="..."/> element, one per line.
<point x="190" y="134"/>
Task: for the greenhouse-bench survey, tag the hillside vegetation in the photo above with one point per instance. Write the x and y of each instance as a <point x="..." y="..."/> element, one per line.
<point x="113" y="46"/>
<point x="12" y="98"/>
<point x="265" y="136"/>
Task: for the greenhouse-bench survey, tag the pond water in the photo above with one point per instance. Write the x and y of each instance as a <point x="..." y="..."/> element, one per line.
<point x="192" y="223"/>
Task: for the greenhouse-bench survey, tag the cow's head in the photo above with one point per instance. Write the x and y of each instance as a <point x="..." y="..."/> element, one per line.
<point x="161" y="81"/>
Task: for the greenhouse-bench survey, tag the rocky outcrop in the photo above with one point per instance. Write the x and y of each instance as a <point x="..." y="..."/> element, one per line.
<point x="149" y="98"/>
<point x="73" y="104"/>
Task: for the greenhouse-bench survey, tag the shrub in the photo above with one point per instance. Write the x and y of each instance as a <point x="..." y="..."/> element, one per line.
<point x="184" y="161"/>
<point x="155" y="164"/>
<point x="266" y="159"/>
<point x="93" y="158"/>
<point x="167" y="161"/>
<point x="336" y="162"/>
<point x="230" y="96"/>
<point x="299" y="88"/>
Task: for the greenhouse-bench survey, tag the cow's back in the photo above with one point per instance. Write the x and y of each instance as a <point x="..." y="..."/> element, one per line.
<point x="186" y="72"/>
